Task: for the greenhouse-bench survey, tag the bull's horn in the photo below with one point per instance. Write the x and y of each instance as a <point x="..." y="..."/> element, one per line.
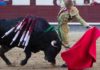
<point x="53" y="43"/>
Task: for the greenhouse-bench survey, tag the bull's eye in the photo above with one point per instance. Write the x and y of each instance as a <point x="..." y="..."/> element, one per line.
<point x="53" y="43"/>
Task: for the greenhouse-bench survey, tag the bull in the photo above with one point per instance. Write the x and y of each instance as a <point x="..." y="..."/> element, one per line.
<point x="41" y="40"/>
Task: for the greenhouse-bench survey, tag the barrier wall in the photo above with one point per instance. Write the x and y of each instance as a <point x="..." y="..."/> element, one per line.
<point x="89" y="13"/>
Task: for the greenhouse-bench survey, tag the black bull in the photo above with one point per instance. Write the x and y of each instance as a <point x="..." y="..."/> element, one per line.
<point x="39" y="41"/>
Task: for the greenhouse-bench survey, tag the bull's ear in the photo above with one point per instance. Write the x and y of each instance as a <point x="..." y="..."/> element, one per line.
<point x="53" y="43"/>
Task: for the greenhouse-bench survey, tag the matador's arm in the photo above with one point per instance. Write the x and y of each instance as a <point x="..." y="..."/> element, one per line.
<point x="75" y="12"/>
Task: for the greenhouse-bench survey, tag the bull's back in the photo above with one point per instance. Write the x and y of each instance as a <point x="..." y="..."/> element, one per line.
<point x="6" y="24"/>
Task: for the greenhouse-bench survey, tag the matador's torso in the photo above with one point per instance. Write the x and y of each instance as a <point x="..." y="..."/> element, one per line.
<point x="66" y="16"/>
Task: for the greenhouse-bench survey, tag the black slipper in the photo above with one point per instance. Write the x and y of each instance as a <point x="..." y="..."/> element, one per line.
<point x="64" y="65"/>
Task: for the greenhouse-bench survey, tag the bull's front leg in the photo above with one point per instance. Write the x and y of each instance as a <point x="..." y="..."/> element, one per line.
<point x="3" y="50"/>
<point x="28" y="55"/>
<point x="6" y="60"/>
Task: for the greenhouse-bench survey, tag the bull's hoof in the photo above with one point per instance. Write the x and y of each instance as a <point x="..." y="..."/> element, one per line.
<point x="23" y="62"/>
<point x="64" y="66"/>
<point x="9" y="64"/>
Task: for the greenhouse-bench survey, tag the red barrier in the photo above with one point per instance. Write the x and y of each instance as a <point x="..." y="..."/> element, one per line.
<point x="89" y="13"/>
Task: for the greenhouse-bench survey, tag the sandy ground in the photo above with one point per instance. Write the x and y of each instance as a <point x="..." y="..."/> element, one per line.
<point x="37" y="62"/>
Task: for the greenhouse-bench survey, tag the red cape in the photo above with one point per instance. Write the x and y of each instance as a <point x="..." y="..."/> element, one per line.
<point x="83" y="53"/>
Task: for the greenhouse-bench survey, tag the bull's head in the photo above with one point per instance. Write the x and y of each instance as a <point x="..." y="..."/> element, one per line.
<point x="52" y="51"/>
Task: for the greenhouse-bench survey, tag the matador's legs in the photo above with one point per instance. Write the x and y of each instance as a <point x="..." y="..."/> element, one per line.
<point x="63" y="33"/>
